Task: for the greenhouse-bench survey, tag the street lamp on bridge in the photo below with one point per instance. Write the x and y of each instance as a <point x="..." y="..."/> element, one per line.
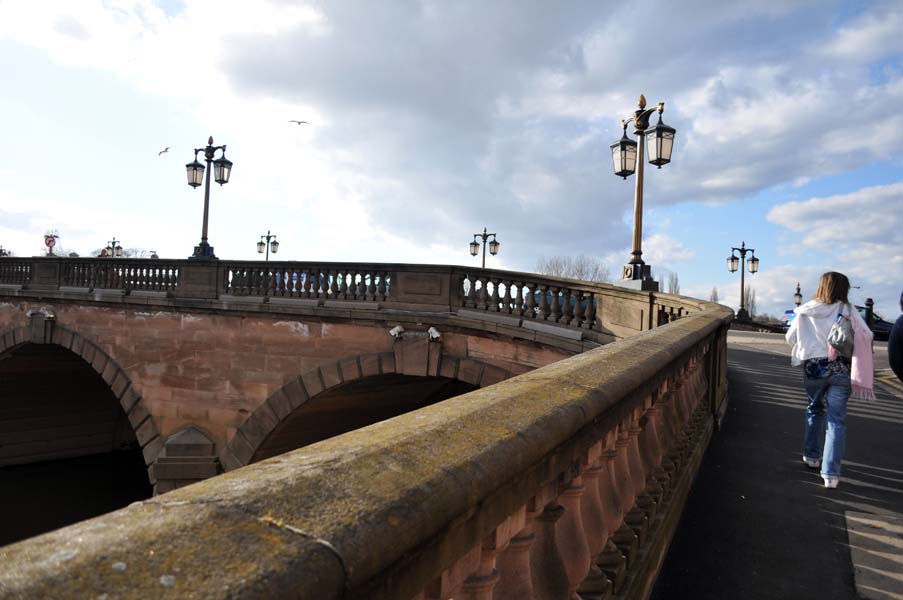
<point x="733" y="263"/>
<point x="624" y="153"/>
<point x="222" y="168"/>
<point x="798" y="296"/>
<point x="268" y="245"/>
<point x="475" y="245"/>
<point x="113" y="249"/>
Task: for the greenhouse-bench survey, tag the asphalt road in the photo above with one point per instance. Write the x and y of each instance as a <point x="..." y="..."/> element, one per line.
<point x="759" y="525"/>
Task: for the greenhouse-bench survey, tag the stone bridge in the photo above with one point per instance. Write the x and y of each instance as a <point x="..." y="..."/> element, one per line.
<point x="530" y="436"/>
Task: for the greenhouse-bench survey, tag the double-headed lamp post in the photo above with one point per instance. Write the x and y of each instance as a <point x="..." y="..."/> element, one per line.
<point x="798" y="296"/>
<point x="113" y="249"/>
<point x="475" y="245"/>
<point x="733" y="263"/>
<point x="268" y="245"/>
<point x="658" y="141"/>
<point x="222" y="168"/>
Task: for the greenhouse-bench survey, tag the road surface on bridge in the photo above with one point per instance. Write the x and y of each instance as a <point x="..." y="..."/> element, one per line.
<point x="759" y="524"/>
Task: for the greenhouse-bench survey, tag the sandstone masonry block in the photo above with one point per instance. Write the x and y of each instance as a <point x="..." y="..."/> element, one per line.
<point x="331" y="375"/>
<point x="312" y="382"/>
<point x="350" y="369"/>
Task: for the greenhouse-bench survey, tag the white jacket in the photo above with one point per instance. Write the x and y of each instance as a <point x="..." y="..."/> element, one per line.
<point x="809" y="329"/>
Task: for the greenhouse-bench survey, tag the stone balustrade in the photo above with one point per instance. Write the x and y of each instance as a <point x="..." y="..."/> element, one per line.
<point x="564" y="482"/>
<point x="598" y="313"/>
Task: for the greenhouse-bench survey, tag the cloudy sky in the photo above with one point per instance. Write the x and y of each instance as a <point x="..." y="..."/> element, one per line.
<point x="432" y="119"/>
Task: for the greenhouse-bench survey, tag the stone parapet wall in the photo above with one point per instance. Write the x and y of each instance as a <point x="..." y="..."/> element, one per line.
<point x="569" y="477"/>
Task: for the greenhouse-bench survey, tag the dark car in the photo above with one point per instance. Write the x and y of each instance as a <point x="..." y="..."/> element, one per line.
<point x="880" y="328"/>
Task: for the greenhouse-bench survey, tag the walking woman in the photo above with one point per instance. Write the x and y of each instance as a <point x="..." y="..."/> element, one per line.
<point x="829" y="378"/>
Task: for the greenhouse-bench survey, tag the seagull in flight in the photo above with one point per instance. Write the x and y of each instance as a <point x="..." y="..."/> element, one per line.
<point x="299" y="122"/>
<point x="164" y="150"/>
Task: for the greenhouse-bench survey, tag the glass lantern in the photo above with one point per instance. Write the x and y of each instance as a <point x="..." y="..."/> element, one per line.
<point x="195" y="173"/>
<point x="623" y="154"/>
<point x="659" y="143"/>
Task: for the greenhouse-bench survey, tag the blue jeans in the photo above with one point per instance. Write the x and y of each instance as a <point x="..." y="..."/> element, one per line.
<point x="827" y="394"/>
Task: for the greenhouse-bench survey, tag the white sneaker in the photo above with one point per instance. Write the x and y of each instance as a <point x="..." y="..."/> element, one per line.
<point x="812" y="463"/>
<point x="831" y="482"/>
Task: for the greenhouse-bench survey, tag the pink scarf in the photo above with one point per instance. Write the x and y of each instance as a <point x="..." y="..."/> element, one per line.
<point x="862" y="372"/>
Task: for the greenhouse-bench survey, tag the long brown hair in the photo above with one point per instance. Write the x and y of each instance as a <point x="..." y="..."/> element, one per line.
<point x="833" y="287"/>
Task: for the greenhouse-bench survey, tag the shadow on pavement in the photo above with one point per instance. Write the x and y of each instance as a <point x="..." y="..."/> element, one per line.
<point x="759" y="524"/>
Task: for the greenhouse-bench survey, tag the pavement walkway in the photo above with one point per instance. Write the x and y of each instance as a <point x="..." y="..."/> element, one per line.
<point x="759" y="525"/>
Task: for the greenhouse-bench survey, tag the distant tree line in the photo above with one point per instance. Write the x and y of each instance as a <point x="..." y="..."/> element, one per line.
<point x="583" y="268"/>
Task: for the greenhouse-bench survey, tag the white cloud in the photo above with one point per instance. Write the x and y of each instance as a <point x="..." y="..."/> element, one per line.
<point x="872" y="36"/>
<point x="432" y="120"/>
<point x="859" y="234"/>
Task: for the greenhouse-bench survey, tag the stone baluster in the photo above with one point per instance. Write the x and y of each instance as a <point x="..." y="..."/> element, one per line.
<point x="627" y="535"/>
<point x="637" y="470"/>
<point x="246" y="277"/>
<point x="509" y="298"/>
<point x="371" y="286"/>
<point x="304" y="281"/>
<point x="484" y="296"/>
<point x="331" y="284"/>
<point x="555" y="308"/>
<point x="495" y="301"/>
<point x="649" y="490"/>
<point x="549" y="576"/>
<point x="652" y="451"/>
<point x="643" y="511"/>
<point x="295" y="283"/>
<point x="567" y="309"/>
<point x="611" y="559"/>
<point x="449" y="584"/>
<point x="572" y="543"/>
<point x="471" y="293"/>
<point x="579" y="310"/>
<point x="527" y="300"/>
<point x="481" y="584"/>
<point x="595" y="524"/>
<point x="380" y="283"/>
<point x="591" y="312"/>
<point x="251" y="281"/>
<point x="341" y="285"/>
<point x="517" y="298"/>
<point x="513" y="564"/>
<point x="544" y="292"/>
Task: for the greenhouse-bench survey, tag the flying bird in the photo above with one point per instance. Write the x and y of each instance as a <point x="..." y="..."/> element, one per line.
<point x="163" y="151"/>
<point x="299" y="122"/>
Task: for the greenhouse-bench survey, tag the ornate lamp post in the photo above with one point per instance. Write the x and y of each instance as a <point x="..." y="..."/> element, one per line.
<point x="659" y="141"/>
<point x="798" y="296"/>
<point x="222" y="168"/>
<point x="268" y="245"/>
<point x="113" y="249"/>
<point x="733" y="263"/>
<point x="475" y="245"/>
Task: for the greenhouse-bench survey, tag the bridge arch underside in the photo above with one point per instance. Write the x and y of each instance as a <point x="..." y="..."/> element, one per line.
<point x="67" y="449"/>
<point x="356" y="404"/>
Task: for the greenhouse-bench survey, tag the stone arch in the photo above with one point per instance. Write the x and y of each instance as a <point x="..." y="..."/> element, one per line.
<point x="251" y="434"/>
<point x="42" y="329"/>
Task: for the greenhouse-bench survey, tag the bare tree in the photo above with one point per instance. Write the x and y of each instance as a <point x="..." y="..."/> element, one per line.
<point x="750" y="303"/>
<point x="583" y="268"/>
<point x="713" y="297"/>
<point x="126" y="252"/>
<point x="673" y="283"/>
